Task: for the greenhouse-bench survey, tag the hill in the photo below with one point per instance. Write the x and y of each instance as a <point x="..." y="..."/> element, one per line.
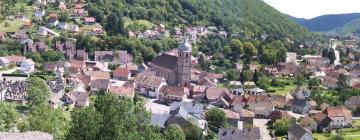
<point x="353" y="27"/>
<point x="252" y="18"/>
<point x="328" y="22"/>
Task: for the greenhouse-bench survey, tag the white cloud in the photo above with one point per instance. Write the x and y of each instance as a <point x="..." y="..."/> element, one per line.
<point x="312" y="8"/>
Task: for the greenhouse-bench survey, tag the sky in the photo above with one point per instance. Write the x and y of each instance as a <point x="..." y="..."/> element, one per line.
<point x="313" y="8"/>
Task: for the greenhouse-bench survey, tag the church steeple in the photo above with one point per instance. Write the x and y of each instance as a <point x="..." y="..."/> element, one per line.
<point x="184" y="64"/>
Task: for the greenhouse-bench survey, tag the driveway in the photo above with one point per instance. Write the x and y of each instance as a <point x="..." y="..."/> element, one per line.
<point x="261" y="123"/>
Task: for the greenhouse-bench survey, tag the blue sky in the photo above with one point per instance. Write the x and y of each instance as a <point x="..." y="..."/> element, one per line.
<point x="313" y="8"/>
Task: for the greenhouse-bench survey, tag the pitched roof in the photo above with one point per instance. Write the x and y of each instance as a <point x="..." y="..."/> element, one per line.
<point x="252" y="133"/>
<point x="306" y="121"/>
<point x="339" y="111"/>
<point x="120" y="72"/>
<point x="297" y="131"/>
<point x="81" y="98"/>
<point x="166" y="61"/>
<point x="100" y="84"/>
<point x="231" y="114"/>
<point x="258" y="98"/>
<point x="123" y="91"/>
<point x="146" y="79"/>
<point x="319" y="117"/>
<point x="213" y="93"/>
<point x="172" y="91"/>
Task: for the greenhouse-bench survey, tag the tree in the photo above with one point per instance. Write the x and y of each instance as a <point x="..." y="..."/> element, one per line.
<point x="273" y="53"/>
<point x="174" y="132"/>
<point x="325" y="53"/>
<point x="342" y="82"/>
<point x="300" y="79"/>
<point x="249" y="51"/>
<point x="43" y="118"/>
<point x="85" y="120"/>
<point x="233" y="74"/>
<point x="281" y="127"/>
<point x="115" y="118"/>
<point x="38" y="92"/>
<point x="236" y="48"/>
<point x="332" y="56"/>
<point x="8" y="116"/>
<point x="63" y="17"/>
<point x="255" y="76"/>
<point x="314" y="82"/>
<point x="216" y="118"/>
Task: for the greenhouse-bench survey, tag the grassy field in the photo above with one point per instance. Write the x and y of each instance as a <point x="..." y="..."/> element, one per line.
<point x="128" y="21"/>
<point x="282" y="91"/>
<point x="13" y="26"/>
<point x="321" y="136"/>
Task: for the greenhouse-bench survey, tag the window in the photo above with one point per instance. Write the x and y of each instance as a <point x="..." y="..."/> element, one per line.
<point x="187" y="55"/>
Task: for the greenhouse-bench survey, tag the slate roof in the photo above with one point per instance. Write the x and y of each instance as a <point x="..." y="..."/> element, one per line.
<point x="246" y="134"/>
<point x="166" y="61"/>
<point x="297" y="131"/>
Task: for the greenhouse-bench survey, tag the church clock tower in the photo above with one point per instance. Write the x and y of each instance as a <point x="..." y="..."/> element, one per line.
<point x="184" y="64"/>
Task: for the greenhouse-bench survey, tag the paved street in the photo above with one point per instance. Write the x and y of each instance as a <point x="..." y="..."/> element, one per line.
<point x="261" y="123"/>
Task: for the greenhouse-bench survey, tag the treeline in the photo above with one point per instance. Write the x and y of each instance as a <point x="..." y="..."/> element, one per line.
<point x="249" y="18"/>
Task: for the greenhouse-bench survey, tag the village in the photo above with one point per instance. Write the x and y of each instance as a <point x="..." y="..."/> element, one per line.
<point x="175" y="88"/>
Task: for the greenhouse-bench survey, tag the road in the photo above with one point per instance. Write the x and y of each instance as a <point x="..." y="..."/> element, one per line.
<point x="295" y="115"/>
<point x="261" y="123"/>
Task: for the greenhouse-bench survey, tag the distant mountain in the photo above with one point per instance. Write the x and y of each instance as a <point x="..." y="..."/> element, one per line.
<point x="327" y="22"/>
<point x="353" y="27"/>
<point x="298" y="20"/>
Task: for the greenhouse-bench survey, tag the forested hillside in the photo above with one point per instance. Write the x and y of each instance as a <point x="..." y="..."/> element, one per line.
<point x="328" y="22"/>
<point x="353" y="27"/>
<point x="250" y="18"/>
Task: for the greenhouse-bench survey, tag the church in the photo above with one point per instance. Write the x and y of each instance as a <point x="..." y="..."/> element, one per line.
<point x="175" y="69"/>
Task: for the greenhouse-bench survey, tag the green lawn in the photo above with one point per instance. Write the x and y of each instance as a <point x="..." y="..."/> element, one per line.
<point x="128" y="21"/>
<point x="319" y="136"/>
<point x="283" y="91"/>
<point x="13" y="26"/>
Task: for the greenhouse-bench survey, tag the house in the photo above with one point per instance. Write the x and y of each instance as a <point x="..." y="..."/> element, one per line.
<point x="353" y="102"/>
<point x="197" y="92"/>
<point x="169" y="94"/>
<point x="299" y="105"/>
<point x="39" y="14"/>
<point x="78" y="12"/>
<point x="252" y="133"/>
<point x="238" y="102"/>
<point x="194" y="109"/>
<point x="232" y="117"/>
<point x="148" y="85"/>
<point x="279" y="101"/>
<point x="235" y="84"/>
<point x="27" y="24"/>
<point x="77" y="99"/>
<point x="218" y="96"/>
<point x="271" y="70"/>
<point x="98" y="74"/>
<point x="322" y="121"/>
<point x="96" y="31"/>
<point x="63" y="26"/>
<point x="15" y="59"/>
<point x="99" y="85"/>
<point x="89" y="20"/>
<point x="256" y="91"/>
<point x="27" y="66"/>
<point x="36" y="47"/>
<point x="105" y="56"/>
<point x="122" y="74"/>
<point x="301" y="93"/>
<point x="291" y="57"/>
<point x="261" y="105"/>
<point x="127" y="91"/>
<point x="73" y="28"/>
<point x="296" y="132"/>
<point x="237" y="91"/>
<point x="4" y="62"/>
<point x="308" y="123"/>
<point x="340" y="116"/>
<point x="254" y="67"/>
<point x="62" y="6"/>
<point x="249" y="84"/>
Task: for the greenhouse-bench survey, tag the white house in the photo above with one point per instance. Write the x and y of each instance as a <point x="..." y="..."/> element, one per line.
<point x="149" y="85"/>
<point x="4" y="62"/>
<point x="27" y="66"/>
<point x="340" y="117"/>
<point x="63" y="26"/>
